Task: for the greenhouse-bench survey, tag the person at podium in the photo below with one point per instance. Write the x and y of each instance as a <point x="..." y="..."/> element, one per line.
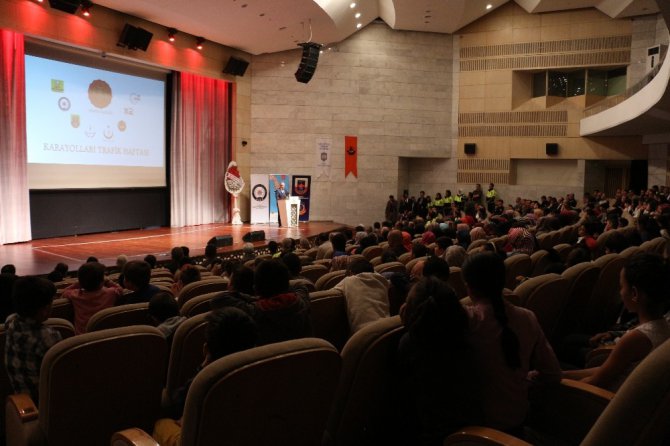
<point x="280" y="194"/>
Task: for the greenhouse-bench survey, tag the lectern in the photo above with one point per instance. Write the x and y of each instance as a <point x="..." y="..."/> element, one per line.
<point x="289" y="211"/>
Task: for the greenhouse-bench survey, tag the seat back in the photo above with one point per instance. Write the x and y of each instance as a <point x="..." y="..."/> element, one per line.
<point x="390" y="267"/>
<point x="405" y="257"/>
<point x="638" y="413"/>
<point x="186" y="352"/>
<point x="94" y="384"/>
<point x="457" y="282"/>
<point x="275" y="394"/>
<point x="201" y="287"/>
<point x="360" y="412"/>
<point x="62" y="308"/>
<point x="545" y="296"/>
<point x="563" y="250"/>
<point x="329" y="280"/>
<point x="308" y="284"/>
<point x="198" y="305"/>
<point x="62" y="326"/>
<point x="328" y="313"/>
<point x="605" y="301"/>
<point x="410" y="265"/>
<point x="630" y="251"/>
<point x="582" y="279"/>
<point x="121" y="316"/>
<point x="656" y="246"/>
<point x="477" y="244"/>
<point x="372" y="251"/>
<point x="539" y="261"/>
<point x="516" y="265"/>
<point x="313" y="272"/>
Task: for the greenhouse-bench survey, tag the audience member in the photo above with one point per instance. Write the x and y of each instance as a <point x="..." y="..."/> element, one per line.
<point x="137" y="278"/>
<point x="8" y="269"/>
<point x="189" y="274"/>
<point x="164" y="312"/>
<point x="59" y="273"/>
<point x="366" y="294"/>
<point x="91" y="294"/>
<point x="27" y="339"/>
<point x="151" y="260"/>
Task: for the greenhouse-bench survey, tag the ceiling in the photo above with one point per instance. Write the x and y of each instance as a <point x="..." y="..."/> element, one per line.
<point x="268" y="26"/>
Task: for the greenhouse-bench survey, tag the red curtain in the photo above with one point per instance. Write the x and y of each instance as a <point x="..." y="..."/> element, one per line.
<point x="201" y="150"/>
<point x="14" y="198"/>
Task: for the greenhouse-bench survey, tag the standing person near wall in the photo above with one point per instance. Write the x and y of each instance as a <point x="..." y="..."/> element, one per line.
<point x="491" y="196"/>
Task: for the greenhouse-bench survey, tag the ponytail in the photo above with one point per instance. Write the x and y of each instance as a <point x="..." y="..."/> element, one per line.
<point x="508" y="339"/>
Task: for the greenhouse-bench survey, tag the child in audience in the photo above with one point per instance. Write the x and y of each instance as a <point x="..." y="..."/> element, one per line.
<point x="229" y="330"/>
<point x="59" y="272"/>
<point x="91" y="294"/>
<point x="137" y="278"/>
<point x="27" y="339"/>
<point x="438" y="386"/>
<point x="164" y="312"/>
<point x="188" y="275"/>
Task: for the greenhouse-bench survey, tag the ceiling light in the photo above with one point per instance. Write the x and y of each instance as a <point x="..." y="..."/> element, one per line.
<point x="352" y="5"/>
<point x="171" y="34"/>
<point x="199" y="42"/>
<point x="358" y="15"/>
<point x="86" y="8"/>
<point x="359" y="25"/>
<point x="489" y="6"/>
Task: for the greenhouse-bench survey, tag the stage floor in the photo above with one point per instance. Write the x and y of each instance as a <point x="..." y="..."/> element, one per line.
<point x="40" y="256"/>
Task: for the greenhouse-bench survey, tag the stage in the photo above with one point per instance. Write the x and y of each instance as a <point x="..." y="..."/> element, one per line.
<point x="40" y="256"/>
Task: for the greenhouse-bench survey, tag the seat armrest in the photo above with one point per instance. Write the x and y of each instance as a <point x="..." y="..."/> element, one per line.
<point x="23" y="407"/>
<point x="474" y="435"/>
<point x="567" y="411"/>
<point x="132" y="437"/>
<point x="598" y="356"/>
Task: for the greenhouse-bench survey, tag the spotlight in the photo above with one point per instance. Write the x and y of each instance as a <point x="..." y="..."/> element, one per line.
<point x="171" y="34"/>
<point x="199" y="42"/>
<point x="352" y="5"/>
<point x="86" y="8"/>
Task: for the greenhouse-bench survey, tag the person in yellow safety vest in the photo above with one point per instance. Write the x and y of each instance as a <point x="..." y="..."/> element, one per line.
<point x="459" y="198"/>
<point x="438" y="202"/>
<point x="448" y="198"/>
<point x="491" y="195"/>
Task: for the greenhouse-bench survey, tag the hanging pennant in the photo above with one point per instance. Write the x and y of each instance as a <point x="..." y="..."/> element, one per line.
<point x="350" y="156"/>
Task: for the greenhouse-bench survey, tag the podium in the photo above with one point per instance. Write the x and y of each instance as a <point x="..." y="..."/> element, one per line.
<point x="289" y="211"/>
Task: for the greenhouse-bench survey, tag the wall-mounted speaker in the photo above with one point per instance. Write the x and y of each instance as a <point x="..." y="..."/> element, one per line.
<point x="69" y="6"/>
<point x="551" y="149"/>
<point x="469" y="148"/>
<point x="221" y="240"/>
<point x="310" y="57"/>
<point x="254" y="236"/>
<point x="134" y="38"/>
<point x="236" y="67"/>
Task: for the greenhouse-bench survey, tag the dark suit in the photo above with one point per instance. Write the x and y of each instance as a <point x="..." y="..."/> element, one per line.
<point x="280" y="194"/>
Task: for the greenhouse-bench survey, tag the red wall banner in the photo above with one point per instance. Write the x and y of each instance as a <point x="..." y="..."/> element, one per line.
<point x="350" y="156"/>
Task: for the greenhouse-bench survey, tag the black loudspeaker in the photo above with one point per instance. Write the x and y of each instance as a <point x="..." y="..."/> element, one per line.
<point x="69" y="6"/>
<point x="552" y="148"/>
<point x="221" y="240"/>
<point x="236" y="67"/>
<point x="134" y="38"/>
<point x="469" y="148"/>
<point x="310" y="57"/>
<point x="254" y="236"/>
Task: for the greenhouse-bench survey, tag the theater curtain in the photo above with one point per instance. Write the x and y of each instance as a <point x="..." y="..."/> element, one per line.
<point x="14" y="198"/>
<point x="200" y="150"/>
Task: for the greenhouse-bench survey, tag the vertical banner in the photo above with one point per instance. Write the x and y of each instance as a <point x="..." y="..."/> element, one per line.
<point x="350" y="156"/>
<point x="302" y="188"/>
<point x="273" y="183"/>
<point x="323" y="146"/>
<point x="260" y="199"/>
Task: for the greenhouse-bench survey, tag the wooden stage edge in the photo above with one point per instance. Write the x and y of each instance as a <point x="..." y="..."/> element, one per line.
<point x="40" y="256"/>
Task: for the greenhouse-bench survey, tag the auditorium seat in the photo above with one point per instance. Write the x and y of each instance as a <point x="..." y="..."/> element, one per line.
<point x="376" y="261"/>
<point x="329" y="280"/>
<point x="563" y="250"/>
<point x="410" y="265"/>
<point x="372" y="251"/>
<point x="92" y="385"/>
<point x="328" y="314"/>
<point x="457" y="282"/>
<point x="186" y="354"/>
<point x="120" y="316"/>
<point x="582" y="279"/>
<point x="302" y="283"/>
<point x="313" y="272"/>
<point x="277" y="394"/>
<point x="405" y="257"/>
<point x="539" y="261"/>
<point x="62" y="326"/>
<point x="390" y="267"/>
<point x="62" y="308"/>
<point x="161" y="272"/>
<point x="516" y="265"/>
<point x="200" y="287"/>
<point x="630" y="251"/>
<point x="636" y="415"/>
<point x="546" y="296"/>
<point x="164" y="286"/>
<point x="198" y="305"/>
<point x="311" y="253"/>
<point x="360" y="412"/>
<point x="656" y="246"/>
<point x="605" y="302"/>
<point x="474" y="246"/>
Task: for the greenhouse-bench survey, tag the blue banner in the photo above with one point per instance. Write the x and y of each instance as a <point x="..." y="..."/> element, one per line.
<point x="302" y="187"/>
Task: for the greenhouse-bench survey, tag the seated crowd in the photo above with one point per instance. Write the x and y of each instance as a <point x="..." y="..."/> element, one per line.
<point x="458" y="363"/>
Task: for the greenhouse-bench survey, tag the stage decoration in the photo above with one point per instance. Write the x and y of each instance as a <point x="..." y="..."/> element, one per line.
<point x="302" y="185"/>
<point x="274" y="181"/>
<point x="260" y="199"/>
<point x="350" y="156"/>
<point x="323" y="146"/>
<point x="234" y="185"/>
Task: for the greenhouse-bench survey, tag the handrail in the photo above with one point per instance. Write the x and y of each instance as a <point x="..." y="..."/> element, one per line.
<point x="615" y="100"/>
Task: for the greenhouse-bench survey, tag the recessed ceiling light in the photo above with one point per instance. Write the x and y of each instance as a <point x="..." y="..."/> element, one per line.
<point x="358" y="25"/>
<point x="427" y="17"/>
<point x="262" y="14"/>
<point x="358" y="15"/>
<point x="282" y="28"/>
<point x="352" y="5"/>
<point x="489" y="6"/>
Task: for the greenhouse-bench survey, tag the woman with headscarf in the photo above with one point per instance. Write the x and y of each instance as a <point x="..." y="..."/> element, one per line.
<point x="477" y="233"/>
<point x="520" y="241"/>
<point x="455" y="255"/>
